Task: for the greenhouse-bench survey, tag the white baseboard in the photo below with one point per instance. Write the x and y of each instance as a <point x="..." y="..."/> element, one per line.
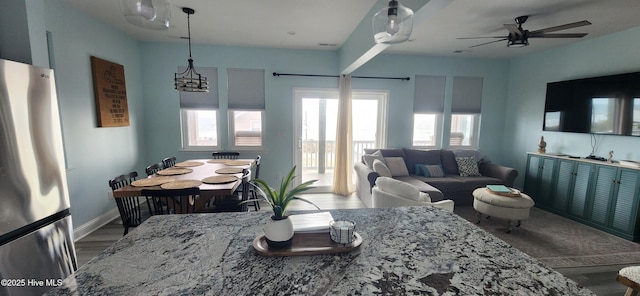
<point x="94" y="224"/>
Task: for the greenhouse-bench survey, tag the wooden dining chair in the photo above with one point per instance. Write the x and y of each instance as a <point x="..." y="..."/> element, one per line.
<point x="152" y="169"/>
<point x="252" y="192"/>
<point x="225" y="155"/>
<point x="233" y="203"/>
<point x="129" y="207"/>
<point x="169" y="162"/>
<point x="171" y="201"/>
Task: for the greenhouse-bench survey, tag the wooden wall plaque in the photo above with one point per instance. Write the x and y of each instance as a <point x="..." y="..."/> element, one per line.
<point x="110" y="92"/>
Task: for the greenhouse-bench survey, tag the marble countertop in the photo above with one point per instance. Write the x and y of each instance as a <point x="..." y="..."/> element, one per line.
<point x="414" y="250"/>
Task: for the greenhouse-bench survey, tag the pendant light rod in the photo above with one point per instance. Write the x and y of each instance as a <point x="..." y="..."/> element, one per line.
<point x="189" y="12"/>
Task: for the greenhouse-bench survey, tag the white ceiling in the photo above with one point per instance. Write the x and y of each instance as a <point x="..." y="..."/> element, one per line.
<point x="269" y="23"/>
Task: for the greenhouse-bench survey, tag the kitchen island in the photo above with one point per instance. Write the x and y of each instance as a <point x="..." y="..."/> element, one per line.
<point x="409" y="250"/>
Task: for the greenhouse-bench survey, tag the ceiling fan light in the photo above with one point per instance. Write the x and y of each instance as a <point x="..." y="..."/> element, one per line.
<point x="149" y="14"/>
<point x="393" y="24"/>
<point x="515" y="43"/>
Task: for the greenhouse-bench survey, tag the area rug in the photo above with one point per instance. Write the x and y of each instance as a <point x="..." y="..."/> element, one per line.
<point x="559" y="242"/>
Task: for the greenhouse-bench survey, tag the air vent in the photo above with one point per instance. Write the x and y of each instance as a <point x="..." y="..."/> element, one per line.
<point x="328" y="44"/>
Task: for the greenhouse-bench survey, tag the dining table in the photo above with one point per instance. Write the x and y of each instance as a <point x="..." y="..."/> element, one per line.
<point x="404" y="251"/>
<point x="197" y="170"/>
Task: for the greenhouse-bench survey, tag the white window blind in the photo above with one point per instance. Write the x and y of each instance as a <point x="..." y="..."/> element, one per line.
<point x="467" y="95"/>
<point x="201" y="100"/>
<point x="246" y="89"/>
<point x="429" y="94"/>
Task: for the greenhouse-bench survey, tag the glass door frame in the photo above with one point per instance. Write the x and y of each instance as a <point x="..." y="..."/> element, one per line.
<point x="327" y="93"/>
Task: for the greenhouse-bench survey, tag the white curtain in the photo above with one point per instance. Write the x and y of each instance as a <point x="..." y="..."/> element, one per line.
<point x="344" y="164"/>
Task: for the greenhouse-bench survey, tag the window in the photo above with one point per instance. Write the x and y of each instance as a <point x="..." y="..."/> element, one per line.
<point x="246" y="107"/>
<point x="463" y="130"/>
<point x="246" y="127"/>
<point x="465" y="111"/>
<point x="425" y="129"/>
<point x="428" y="107"/>
<point x="199" y="114"/>
<point x="199" y="129"/>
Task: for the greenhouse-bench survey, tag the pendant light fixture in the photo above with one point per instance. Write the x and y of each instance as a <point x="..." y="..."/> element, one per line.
<point x="190" y="80"/>
<point x="393" y="24"/>
<point x="149" y="14"/>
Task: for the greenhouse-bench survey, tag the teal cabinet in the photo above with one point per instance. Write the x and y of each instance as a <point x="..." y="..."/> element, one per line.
<point x="602" y="195"/>
<point x="539" y="179"/>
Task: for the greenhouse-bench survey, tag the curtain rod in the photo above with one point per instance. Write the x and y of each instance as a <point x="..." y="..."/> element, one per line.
<point x="336" y="76"/>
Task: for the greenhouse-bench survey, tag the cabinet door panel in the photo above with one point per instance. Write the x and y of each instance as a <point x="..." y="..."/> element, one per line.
<point x="624" y="216"/>
<point x="545" y="185"/>
<point x="531" y="178"/>
<point x="563" y="185"/>
<point x="605" y="177"/>
<point x="580" y="189"/>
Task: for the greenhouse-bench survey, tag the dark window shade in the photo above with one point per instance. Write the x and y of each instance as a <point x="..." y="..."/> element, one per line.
<point x="467" y="95"/>
<point x="201" y="100"/>
<point x="429" y="94"/>
<point x="246" y="89"/>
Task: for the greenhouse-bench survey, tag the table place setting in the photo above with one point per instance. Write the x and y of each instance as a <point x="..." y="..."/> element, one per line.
<point x="229" y="171"/>
<point x="149" y="182"/>
<point x="186" y="164"/>
<point x="181" y="184"/>
<point x="174" y="171"/>
<point x="221" y="179"/>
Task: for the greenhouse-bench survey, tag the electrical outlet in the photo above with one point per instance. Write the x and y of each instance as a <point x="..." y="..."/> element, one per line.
<point x="109" y="194"/>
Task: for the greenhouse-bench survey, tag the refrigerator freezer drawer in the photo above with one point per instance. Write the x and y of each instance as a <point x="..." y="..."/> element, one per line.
<point x="38" y="261"/>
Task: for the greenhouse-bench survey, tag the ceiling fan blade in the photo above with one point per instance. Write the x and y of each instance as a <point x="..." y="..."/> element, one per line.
<point x="513" y="29"/>
<point x="562" y="27"/>
<point x="481" y="44"/>
<point x="566" y="35"/>
<point x="482" y="37"/>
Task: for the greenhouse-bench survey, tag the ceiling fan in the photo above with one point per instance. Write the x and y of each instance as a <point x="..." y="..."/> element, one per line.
<point x="519" y="37"/>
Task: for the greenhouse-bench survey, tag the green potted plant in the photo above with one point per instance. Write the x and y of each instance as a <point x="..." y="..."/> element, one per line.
<point x="279" y="229"/>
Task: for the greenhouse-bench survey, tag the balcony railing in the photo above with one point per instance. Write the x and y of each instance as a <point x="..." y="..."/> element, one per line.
<point x="321" y="159"/>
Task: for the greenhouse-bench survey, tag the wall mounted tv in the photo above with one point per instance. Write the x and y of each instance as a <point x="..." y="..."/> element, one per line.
<point x="607" y="105"/>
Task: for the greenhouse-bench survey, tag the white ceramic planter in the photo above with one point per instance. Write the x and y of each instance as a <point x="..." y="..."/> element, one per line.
<point x="279" y="233"/>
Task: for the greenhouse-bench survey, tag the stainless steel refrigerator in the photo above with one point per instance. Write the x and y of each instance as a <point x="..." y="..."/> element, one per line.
<point x="36" y="235"/>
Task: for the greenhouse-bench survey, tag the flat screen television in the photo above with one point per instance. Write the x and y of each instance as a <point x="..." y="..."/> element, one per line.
<point x="607" y="105"/>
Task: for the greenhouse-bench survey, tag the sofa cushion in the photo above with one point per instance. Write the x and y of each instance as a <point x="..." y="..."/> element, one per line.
<point x="433" y="192"/>
<point x="369" y="158"/>
<point x="449" y="164"/>
<point x="396" y="166"/>
<point x="471" y="183"/>
<point x="413" y="157"/>
<point x="381" y="168"/>
<point x="468" y="166"/>
<point x="445" y="184"/>
<point x="399" y="188"/>
<point x="434" y="171"/>
<point x="386" y="152"/>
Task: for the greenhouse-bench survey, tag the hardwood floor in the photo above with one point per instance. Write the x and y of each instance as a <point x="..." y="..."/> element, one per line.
<point x="599" y="279"/>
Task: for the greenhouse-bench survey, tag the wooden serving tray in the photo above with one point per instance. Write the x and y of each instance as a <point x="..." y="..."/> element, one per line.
<point x="306" y="244"/>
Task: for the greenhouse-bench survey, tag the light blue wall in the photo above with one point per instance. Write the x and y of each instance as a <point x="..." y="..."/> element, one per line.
<point x="611" y="54"/>
<point x="93" y="155"/>
<point x="162" y="111"/>
<point x="400" y="122"/>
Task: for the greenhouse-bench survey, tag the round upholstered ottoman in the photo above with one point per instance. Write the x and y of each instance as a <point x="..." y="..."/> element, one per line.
<point x="505" y="207"/>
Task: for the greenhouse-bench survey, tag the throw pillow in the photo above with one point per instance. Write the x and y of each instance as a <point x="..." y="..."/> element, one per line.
<point x="419" y="169"/>
<point x="369" y="158"/>
<point x="468" y="166"/>
<point x="433" y="171"/>
<point x="381" y="168"/>
<point x="397" y="166"/>
<point x="398" y="188"/>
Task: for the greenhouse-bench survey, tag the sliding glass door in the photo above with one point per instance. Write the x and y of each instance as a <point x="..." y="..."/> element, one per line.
<point x="315" y="131"/>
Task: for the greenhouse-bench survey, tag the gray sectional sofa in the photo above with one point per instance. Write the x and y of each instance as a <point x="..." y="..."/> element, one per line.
<point x="450" y="186"/>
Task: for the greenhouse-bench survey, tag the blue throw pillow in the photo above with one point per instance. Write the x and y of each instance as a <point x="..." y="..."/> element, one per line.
<point x="421" y="170"/>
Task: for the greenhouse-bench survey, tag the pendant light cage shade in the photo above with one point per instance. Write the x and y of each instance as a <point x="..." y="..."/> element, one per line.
<point x="190" y="80"/>
<point x="149" y="14"/>
<point x="393" y="24"/>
